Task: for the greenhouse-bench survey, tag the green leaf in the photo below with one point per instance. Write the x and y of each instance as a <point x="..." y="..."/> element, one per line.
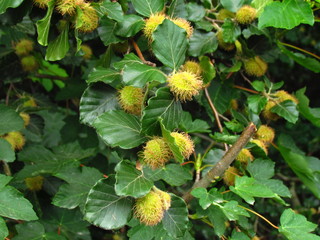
<point x="130" y="26"/>
<point x="14" y="205"/>
<point x="247" y="188"/>
<point x="3" y="229"/>
<point x="202" y="43"/>
<point x="207" y="198"/>
<point x="195" y="12"/>
<point x="312" y="114"/>
<point x="130" y="181"/>
<point x="58" y="48"/>
<point x="307" y="62"/>
<point x="224" y="137"/>
<point x="261" y="169"/>
<point x="79" y="182"/>
<point x="256" y="103"/>
<point x="139" y="74"/>
<point x="129" y="59"/>
<point x="35" y="231"/>
<point x="96" y="100"/>
<point x="9" y="120"/>
<point x="239" y="236"/>
<point x="218" y="219"/>
<point x="170" y="44"/>
<point x="208" y="70"/>
<point x="295" y="226"/>
<point x="187" y="125"/>
<point x="148" y="7"/>
<point x="258" y="85"/>
<point x="230" y="31"/>
<point x="107" y="32"/>
<point x="232" y="5"/>
<point x="105" y="75"/>
<point x="175" y="219"/>
<point x="6" y="152"/>
<point x="104" y="208"/>
<point x="43" y="25"/>
<point x="259" y="5"/>
<point x="177" y="9"/>
<point x="4" y="4"/>
<point x="233" y="211"/>
<point x="300" y="164"/>
<point x="292" y="12"/>
<point x="288" y="110"/>
<point x="234" y="126"/>
<point x="172" y="143"/>
<point x="164" y="106"/>
<point x="113" y="10"/>
<point x="118" y="128"/>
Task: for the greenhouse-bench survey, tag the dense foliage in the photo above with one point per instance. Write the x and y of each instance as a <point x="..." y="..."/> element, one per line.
<point x="159" y="119"/>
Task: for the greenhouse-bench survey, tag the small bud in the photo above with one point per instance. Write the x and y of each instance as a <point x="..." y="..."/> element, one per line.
<point x="255" y="66"/>
<point x="246" y="14"/>
<point x="131" y="99"/>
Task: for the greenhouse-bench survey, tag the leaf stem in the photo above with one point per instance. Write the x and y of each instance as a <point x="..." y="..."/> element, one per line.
<point x="140" y="55"/>
<point x="300" y="49"/>
<point x="259" y="215"/>
<point x="246" y="89"/>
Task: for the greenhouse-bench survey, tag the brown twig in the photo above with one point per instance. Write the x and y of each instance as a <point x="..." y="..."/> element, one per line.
<point x="245" y="78"/>
<point x="140" y="55"/>
<point x="51" y="77"/>
<point x="246" y="89"/>
<point x="225" y="162"/>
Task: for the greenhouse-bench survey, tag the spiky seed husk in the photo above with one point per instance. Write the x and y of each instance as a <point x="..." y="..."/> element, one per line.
<point x="131" y="99"/>
<point x="230" y="175"/>
<point x="224" y="13"/>
<point x="222" y="44"/>
<point x="156" y="153"/>
<point x="23" y="47"/>
<point x="41" y="3"/>
<point x="265" y="134"/>
<point x="184" y="142"/>
<point x="149" y="209"/>
<point x="89" y="18"/>
<point x="184" y="24"/>
<point x="193" y="67"/>
<point x="234" y="104"/>
<point x="34" y="183"/>
<point x="66" y="7"/>
<point x="29" y="63"/>
<point x="87" y="51"/>
<point x="16" y="140"/>
<point x="184" y="85"/>
<point x="151" y="24"/>
<point x="260" y="144"/>
<point x="25" y="117"/>
<point x="245" y="156"/>
<point x="267" y="114"/>
<point x="165" y="198"/>
<point x="283" y="96"/>
<point x="246" y="14"/>
<point x="255" y="66"/>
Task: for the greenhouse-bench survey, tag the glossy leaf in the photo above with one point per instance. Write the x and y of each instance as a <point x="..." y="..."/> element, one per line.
<point x="260" y="5"/>
<point x="148" y="7"/>
<point x="233" y="211"/>
<point x="292" y="12"/>
<point x="175" y="175"/>
<point x="43" y="25"/>
<point x="175" y="219"/>
<point x="130" y="26"/>
<point x="118" y="128"/>
<point x="170" y="44"/>
<point x="230" y="31"/>
<point x="4" y="4"/>
<point x="9" y="120"/>
<point x="130" y="181"/>
<point x="3" y="229"/>
<point x="195" y="12"/>
<point x="113" y="10"/>
<point x="106" y="32"/>
<point x="256" y="103"/>
<point x="312" y="114"/>
<point x="79" y="182"/>
<point x="202" y="43"/>
<point x="287" y="110"/>
<point x="129" y="59"/>
<point x="6" y="152"/>
<point x="104" y="208"/>
<point x="232" y="5"/>
<point x="178" y="9"/>
<point x="96" y="100"/>
<point x="105" y="75"/>
<point x="207" y="198"/>
<point x="164" y="106"/>
<point x="187" y="125"/>
<point x="139" y="74"/>
<point x="208" y="69"/>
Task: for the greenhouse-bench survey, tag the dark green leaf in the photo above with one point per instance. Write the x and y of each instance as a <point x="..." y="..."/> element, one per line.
<point x="230" y="31"/>
<point x="96" y="100"/>
<point x="287" y="110"/>
<point x="58" y="48"/>
<point x="239" y="236"/>
<point x="4" y="4"/>
<point x="162" y="105"/>
<point x="202" y="43"/>
<point x="104" y="208"/>
<point x="130" y="181"/>
<point x="233" y="211"/>
<point x="129" y="26"/>
<point x="175" y="175"/>
<point x="195" y="12"/>
<point x="43" y="25"/>
<point x="312" y="114"/>
<point x="118" y="128"/>
<point x="107" y="32"/>
<point x="129" y="59"/>
<point x="139" y="74"/>
<point x="232" y="5"/>
<point x="292" y="12"/>
<point x="208" y="69"/>
<point x="148" y="7"/>
<point x="225" y="138"/>
<point x="3" y="229"/>
<point x="113" y="10"/>
<point x="295" y="226"/>
<point x="261" y="169"/>
<point x="9" y="120"/>
<point x="175" y="219"/>
<point x="256" y="103"/>
<point x="187" y="125"/>
<point x="6" y="152"/>
<point x="234" y="126"/>
<point x="170" y="44"/>
<point x="218" y="219"/>
<point x="178" y="9"/>
<point x="207" y="198"/>
<point x="106" y="75"/>
<point x="79" y="182"/>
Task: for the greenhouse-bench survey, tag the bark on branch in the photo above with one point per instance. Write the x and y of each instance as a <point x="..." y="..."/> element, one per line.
<point x="225" y="161"/>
